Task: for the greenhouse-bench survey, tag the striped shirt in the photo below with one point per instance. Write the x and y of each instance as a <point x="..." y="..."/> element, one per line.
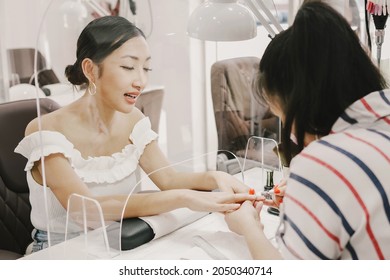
<point x="337" y="200"/>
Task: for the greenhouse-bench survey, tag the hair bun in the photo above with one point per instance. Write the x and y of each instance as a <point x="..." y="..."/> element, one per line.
<point x="74" y="75"/>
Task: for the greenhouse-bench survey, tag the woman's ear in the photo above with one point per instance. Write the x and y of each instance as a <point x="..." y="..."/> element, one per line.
<point x="88" y="67"/>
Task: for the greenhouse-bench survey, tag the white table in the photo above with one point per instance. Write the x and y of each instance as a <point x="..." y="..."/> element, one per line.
<point x="176" y="245"/>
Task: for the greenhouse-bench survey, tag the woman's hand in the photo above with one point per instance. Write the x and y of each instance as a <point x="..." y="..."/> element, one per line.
<point x="244" y="218"/>
<point x="277" y="196"/>
<point x="229" y="183"/>
<point x="216" y="201"/>
<point x="246" y="222"/>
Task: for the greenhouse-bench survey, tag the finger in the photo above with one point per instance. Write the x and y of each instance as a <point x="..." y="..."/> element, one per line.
<point x="278" y="200"/>
<point x="260" y="198"/>
<point x="240" y="197"/>
<point x="227" y="212"/>
<point x="228" y="208"/>
<point x="282" y="184"/>
<point x="228" y="190"/>
<point x="240" y="188"/>
<point x="258" y="207"/>
<point x="282" y="190"/>
<point x="269" y="202"/>
<point x="258" y="204"/>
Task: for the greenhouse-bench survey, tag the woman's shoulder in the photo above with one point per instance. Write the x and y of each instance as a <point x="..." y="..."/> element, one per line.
<point x="50" y="121"/>
<point x="134" y="117"/>
<point x="58" y="120"/>
<point x="47" y="142"/>
<point x="50" y="125"/>
<point x="136" y="123"/>
<point x="141" y="132"/>
<point x="329" y="157"/>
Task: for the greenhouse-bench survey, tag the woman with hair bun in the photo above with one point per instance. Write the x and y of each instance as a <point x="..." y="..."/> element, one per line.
<point x="95" y="146"/>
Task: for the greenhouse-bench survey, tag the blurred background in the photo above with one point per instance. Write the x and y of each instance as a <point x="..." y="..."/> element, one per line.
<point x="181" y="64"/>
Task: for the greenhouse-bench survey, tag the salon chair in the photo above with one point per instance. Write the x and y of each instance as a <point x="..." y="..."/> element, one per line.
<point x="150" y="103"/>
<point x="239" y="114"/>
<point x="15" y="208"/>
<point x="21" y="67"/>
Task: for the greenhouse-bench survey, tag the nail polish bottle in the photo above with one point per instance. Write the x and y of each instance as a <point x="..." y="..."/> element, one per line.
<point x="270" y="181"/>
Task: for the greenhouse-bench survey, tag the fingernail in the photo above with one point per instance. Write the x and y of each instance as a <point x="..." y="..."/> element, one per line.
<point x="276" y="189"/>
<point x="251" y="191"/>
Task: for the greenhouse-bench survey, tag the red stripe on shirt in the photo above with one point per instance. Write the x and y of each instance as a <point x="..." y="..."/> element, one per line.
<point x="292" y="251"/>
<point x="369" y="144"/>
<point x="358" y="198"/>
<point x="312" y="215"/>
<point x="369" y="108"/>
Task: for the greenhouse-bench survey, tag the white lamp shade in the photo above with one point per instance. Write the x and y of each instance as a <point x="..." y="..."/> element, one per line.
<point x="222" y="20"/>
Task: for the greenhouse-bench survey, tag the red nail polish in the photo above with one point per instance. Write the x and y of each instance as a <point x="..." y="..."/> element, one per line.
<point x="251" y="191"/>
<point x="276" y="190"/>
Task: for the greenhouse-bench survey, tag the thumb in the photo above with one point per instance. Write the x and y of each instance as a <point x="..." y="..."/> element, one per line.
<point x="259" y="206"/>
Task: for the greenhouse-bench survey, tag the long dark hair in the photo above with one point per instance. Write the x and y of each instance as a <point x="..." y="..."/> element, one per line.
<point x="99" y="39"/>
<point x="316" y="69"/>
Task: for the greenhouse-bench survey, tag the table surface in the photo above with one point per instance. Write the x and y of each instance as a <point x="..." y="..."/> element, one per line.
<point x="184" y="243"/>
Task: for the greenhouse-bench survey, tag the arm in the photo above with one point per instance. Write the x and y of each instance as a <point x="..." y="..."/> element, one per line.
<point x="167" y="177"/>
<point x="63" y="181"/>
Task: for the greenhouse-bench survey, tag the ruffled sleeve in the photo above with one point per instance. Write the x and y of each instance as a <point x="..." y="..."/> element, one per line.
<point x="100" y="169"/>
<point x="142" y="134"/>
<point x="34" y="146"/>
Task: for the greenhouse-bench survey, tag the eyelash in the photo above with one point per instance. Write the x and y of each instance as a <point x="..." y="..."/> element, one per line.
<point x="132" y="68"/>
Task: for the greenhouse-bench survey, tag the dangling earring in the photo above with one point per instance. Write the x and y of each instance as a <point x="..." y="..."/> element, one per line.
<point x="92" y="88"/>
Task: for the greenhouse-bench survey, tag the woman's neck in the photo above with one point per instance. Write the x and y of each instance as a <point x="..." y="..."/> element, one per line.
<point x="310" y="138"/>
<point x="97" y="115"/>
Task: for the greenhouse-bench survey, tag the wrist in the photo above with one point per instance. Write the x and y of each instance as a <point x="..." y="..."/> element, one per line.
<point x="182" y="198"/>
<point x="254" y="233"/>
<point x="211" y="181"/>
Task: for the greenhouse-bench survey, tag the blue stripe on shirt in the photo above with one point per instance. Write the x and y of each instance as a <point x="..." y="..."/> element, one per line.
<point x="351" y="251"/>
<point x="331" y="204"/>
<point x="387" y="137"/>
<point x="382" y="94"/>
<point x="327" y="199"/>
<point x="369" y="173"/>
<point x="347" y="118"/>
<point x="305" y="240"/>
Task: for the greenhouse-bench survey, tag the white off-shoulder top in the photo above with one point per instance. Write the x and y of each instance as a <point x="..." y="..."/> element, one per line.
<point x="115" y="174"/>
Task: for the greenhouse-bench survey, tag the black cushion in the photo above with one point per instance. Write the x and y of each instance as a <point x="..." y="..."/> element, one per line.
<point x="135" y="232"/>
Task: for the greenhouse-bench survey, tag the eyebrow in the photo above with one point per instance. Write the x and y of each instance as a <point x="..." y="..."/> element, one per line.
<point x="135" y="57"/>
